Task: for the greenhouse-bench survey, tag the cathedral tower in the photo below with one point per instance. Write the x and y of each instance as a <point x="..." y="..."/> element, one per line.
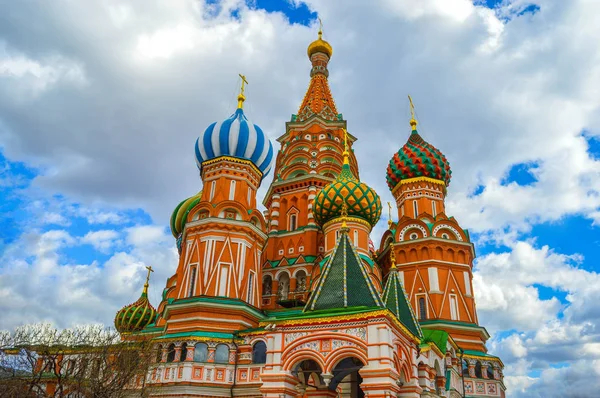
<point x="220" y="233"/>
<point x="310" y="158"/>
<point x="435" y="255"/>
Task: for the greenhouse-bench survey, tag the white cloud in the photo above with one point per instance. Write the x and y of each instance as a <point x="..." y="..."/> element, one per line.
<point x="102" y="240"/>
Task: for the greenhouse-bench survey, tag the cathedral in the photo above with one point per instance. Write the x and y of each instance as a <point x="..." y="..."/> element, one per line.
<point x="297" y="301"/>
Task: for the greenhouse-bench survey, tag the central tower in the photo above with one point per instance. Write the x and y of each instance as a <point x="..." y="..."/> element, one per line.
<point x="311" y="156"/>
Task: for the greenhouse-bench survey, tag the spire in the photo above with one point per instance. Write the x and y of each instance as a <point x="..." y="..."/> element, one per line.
<point x="389" y="214"/>
<point x="396" y="301"/>
<point x="344" y="272"/>
<point x="318" y="99"/>
<point x="241" y="97"/>
<point x="346" y="151"/>
<point x="145" y="291"/>
<point x="413" y="120"/>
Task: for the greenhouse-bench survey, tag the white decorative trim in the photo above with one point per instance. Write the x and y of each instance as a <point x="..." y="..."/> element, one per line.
<point x="446" y="226"/>
<point x="419" y="227"/>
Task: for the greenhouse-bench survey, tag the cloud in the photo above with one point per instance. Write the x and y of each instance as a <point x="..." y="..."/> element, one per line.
<point x="102" y="240"/>
<point x="106" y="99"/>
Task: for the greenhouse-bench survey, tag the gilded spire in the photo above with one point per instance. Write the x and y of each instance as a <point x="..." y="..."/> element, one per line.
<point x="389" y="214"/>
<point x="241" y="97"/>
<point x="413" y="120"/>
<point x="346" y="151"/>
<point x="145" y="292"/>
<point x="344" y="213"/>
<point x="392" y="258"/>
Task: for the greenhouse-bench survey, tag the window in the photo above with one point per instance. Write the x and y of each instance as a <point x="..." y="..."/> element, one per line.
<point x="232" y="190"/>
<point x="434" y="284"/>
<point x="422" y="308"/>
<point x="356" y="238"/>
<point x="467" y="283"/>
<point x="416" y="208"/>
<point x="223" y="280"/>
<point x="433" y="208"/>
<point x="445" y="236"/>
<point x="267" y="285"/>
<point x="183" y="354"/>
<point x="222" y="354"/>
<point x="465" y="368"/>
<point x="192" y="290"/>
<point x="249" y="195"/>
<point x="284" y="286"/>
<point x="171" y="353"/>
<point x="453" y="308"/>
<point x="478" y="370"/>
<point x="413" y="236"/>
<point x="200" y="352"/>
<point x="250" y="298"/>
<point x="300" y="281"/>
<point x="490" y="372"/>
<point x="292" y="226"/>
<point x="259" y="352"/>
<point x="213" y="186"/>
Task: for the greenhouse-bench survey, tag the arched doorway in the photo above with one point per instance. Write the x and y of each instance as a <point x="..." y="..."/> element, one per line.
<point x="309" y="376"/>
<point x="346" y="379"/>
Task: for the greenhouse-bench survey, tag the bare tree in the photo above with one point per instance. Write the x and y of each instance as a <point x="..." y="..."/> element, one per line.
<point x="87" y="361"/>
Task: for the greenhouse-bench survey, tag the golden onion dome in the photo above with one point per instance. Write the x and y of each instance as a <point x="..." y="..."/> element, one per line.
<point x="319" y="46"/>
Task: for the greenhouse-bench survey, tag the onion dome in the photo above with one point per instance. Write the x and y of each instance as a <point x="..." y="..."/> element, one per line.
<point x="136" y="316"/>
<point x="417" y="158"/>
<point x="320" y="46"/>
<point x="236" y="137"/>
<point x="181" y="212"/>
<point x="361" y="200"/>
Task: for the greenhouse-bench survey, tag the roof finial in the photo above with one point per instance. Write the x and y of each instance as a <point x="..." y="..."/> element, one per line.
<point x="392" y="258"/>
<point x="346" y="151"/>
<point x="320" y="27"/>
<point x="389" y="214"/>
<point x="241" y="97"/>
<point x="413" y="120"/>
<point x="145" y="292"/>
<point x="344" y="216"/>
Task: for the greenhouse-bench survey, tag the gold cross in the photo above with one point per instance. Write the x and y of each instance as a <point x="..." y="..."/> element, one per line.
<point x="389" y="212"/>
<point x="320" y="27"/>
<point x="244" y="81"/>
<point x="149" y="268"/>
<point x="413" y="119"/>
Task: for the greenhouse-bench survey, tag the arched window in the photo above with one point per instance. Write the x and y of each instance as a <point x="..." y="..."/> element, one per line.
<point x="267" y="285"/>
<point x="478" y="370"/>
<point x="416" y="208"/>
<point x="183" y="354"/>
<point x="171" y="353"/>
<point x="465" y="368"/>
<point x="356" y="237"/>
<point x="159" y="350"/>
<point x="259" y="352"/>
<point x="232" y="190"/>
<point x="300" y="281"/>
<point x="490" y="372"/>
<point x="222" y="354"/>
<point x="213" y="186"/>
<point x="284" y="286"/>
<point x="200" y="352"/>
<point x="422" y="308"/>
<point x="433" y="208"/>
<point x="293" y="222"/>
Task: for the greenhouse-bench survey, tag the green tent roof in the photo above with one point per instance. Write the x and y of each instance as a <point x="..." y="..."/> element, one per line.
<point x="395" y="299"/>
<point x="437" y="337"/>
<point x="344" y="281"/>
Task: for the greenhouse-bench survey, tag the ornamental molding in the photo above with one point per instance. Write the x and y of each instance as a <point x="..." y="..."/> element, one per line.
<point x="409" y="226"/>
<point x="446" y="226"/>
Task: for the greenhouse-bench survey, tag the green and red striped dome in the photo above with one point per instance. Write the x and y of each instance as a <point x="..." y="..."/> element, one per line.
<point x="417" y="158"/>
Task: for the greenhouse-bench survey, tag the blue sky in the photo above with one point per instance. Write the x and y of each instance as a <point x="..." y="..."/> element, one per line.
<point x="96" y="146"/>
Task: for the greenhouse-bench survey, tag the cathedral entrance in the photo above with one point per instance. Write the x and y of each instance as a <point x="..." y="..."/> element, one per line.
<point x="343" y="382"/>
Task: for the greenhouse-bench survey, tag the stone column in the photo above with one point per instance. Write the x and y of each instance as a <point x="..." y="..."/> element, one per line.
<point x="164" y="354"/>
<point x="177" y="357"/>
<point x="211" y="354"/>
<point x="275" y="213"/>
<point x="189" y="355"/>
<point x="484" y="368"/>
<point x="471" y="368"/>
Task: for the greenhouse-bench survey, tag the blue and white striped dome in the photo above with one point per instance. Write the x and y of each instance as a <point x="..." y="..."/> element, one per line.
<point x="237" y="137"/>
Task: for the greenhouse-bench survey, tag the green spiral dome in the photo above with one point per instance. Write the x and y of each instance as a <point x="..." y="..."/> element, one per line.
<point x="134" y="317"/>
<point x="179" y="216"/>
<point x="361" y="200"/>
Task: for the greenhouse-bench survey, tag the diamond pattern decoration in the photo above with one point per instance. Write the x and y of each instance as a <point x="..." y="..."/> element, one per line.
<point x="418" y="158"/>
